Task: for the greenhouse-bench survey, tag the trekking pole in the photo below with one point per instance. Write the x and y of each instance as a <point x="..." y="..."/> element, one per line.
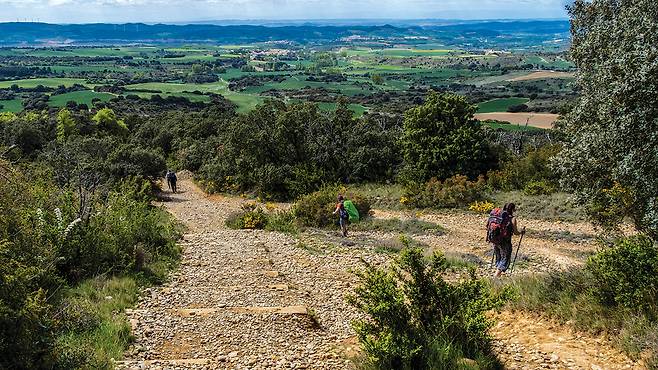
<point x="517" y="250"/>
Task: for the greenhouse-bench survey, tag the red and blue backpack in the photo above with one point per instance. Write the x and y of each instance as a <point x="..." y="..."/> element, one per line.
<point x="498" y="226"/>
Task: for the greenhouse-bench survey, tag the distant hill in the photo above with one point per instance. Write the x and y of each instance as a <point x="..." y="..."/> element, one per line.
<point x="478" y="34"/>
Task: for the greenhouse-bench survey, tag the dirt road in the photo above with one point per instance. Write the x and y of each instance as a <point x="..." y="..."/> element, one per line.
<point x="259" y="300"/>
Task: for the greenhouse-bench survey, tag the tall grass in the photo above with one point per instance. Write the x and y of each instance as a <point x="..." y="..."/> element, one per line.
<point x="95" y="331"/>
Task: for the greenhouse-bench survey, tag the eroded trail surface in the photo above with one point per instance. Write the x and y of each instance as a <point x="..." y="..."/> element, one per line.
<point x="242" y="299"/>
<point x="259" y="300"/>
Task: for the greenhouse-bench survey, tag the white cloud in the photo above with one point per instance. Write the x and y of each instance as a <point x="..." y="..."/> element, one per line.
<point x="175" y="11"/>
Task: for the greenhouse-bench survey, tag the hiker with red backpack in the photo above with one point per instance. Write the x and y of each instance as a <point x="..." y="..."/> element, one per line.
<point x="501" y="225"/>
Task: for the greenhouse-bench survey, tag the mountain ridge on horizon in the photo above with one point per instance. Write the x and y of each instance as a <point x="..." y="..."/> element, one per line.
<point x="476" y="34"/>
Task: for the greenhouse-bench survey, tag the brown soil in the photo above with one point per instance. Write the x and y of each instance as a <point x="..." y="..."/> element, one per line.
<point x="540" y="120"/>
<point x="540" y="75"/>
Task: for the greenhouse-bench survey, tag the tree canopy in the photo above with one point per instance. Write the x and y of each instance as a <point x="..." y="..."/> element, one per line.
<point x="611" y="158"/>
<point x="441" y="138"/>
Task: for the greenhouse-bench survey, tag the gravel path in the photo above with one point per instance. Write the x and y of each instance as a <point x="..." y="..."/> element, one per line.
<point x="242" y="299"/>
<point x="258" y="300"/>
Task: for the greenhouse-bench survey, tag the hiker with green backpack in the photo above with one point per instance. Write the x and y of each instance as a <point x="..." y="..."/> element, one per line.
<point x="347" y="212"/>
<point x="501" y="225"/>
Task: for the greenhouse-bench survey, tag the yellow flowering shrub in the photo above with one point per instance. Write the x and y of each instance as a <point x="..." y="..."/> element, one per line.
<point x="481" y="207"/>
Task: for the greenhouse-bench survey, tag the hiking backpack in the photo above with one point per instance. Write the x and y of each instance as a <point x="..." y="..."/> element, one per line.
<point x="343" y="212"/>
<point x="352" y="211"/>
<point x="498" y="226"/>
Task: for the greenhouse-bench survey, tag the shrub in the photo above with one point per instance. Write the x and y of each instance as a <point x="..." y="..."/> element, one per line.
<point x="538" y="188"/>
<point x="456" y="191"/>
<point x="316" y="209"/>
<point x="532" y="166"/>
<point x="252" y="217"/>
<point x="417" y="320"/>
<point x="481" y="207"/>
<point x="282" y="221"/>
<point x="626" y="274"/>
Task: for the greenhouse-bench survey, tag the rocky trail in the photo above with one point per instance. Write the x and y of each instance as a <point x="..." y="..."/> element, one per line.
<point x="257" y="300"/>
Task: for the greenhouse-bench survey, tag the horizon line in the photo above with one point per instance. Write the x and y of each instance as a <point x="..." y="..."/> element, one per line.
<point x="276" y="20"/>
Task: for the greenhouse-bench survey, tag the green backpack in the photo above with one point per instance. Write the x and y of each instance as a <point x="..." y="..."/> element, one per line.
<point x="352" y="211"/>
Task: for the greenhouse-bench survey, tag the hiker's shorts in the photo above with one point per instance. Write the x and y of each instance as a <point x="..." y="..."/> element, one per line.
<point x="342" y="222"/>
<point x="503" y="255"/>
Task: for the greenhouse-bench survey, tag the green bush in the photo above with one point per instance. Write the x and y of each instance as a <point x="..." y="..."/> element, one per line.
<point x="252" y="217"/>
<point x="456" y="191"/>
<point x="417" y="320"/>
<point x="282" y="221"/>
<point x="626" y="274"/>
<point x="518" y="171"/>
<point x="316" y="209"/>
<point x="115" y="237"/>
<point x="538" y="188"/>
<point x="51" y="240"/>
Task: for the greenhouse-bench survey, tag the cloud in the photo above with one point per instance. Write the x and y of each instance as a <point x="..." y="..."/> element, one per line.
<point x="83" y="11"/>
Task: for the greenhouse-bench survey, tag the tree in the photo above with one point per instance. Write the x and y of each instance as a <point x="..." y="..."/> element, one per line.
<point x="441" y="139"/>
<point x="610" y="161"/>
<point x="65" y="125"/>
<point x="107" y="120"/>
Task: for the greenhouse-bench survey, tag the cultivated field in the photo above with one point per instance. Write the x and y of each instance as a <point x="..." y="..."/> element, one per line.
<point x="540" y="75"/>
<point x="539" y="120"/>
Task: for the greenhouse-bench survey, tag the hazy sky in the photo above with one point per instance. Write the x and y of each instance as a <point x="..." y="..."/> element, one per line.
<point x="89" y="11"/>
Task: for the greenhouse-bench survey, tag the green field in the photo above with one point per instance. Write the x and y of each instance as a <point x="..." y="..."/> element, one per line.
<point x="15" y="105"/>
<point x="558" y="63"/>
<point x="170" y="87"/>
<point x="80" y="97"/>
<point x="406" y="53"/>
<point x="47" y="82"/>
<point x="500" y="105"/>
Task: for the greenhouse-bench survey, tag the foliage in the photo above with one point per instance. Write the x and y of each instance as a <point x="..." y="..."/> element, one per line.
<point x="252" y="217"/>
<point x="538" y="188"/>
<point x="531" y="167"/>
<point x="607" y="141"/>
<point x="454" y="192"/>
<point x="316" y="209"/>
<point x="66" y="125"/>
<point x="284" y="151"/>
<point x="627" y="274"/>
<point x="481" y="207"/>
<point x="47" y="248"/>
<point x="441" y="139"/>
<point x="128" y="161"/>
<point x="108" y="121"/>
<point x="417" y="320"/>
<point x="282" y="221"/>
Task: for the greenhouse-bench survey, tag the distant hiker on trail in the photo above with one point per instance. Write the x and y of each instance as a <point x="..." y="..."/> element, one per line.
<point x="171" y="180"/>
<point x="343" y="216"/>
<point x="501" y="225"/>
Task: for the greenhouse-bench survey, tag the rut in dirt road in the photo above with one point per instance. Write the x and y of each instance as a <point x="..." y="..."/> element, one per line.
<point x="240" y="299"/>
